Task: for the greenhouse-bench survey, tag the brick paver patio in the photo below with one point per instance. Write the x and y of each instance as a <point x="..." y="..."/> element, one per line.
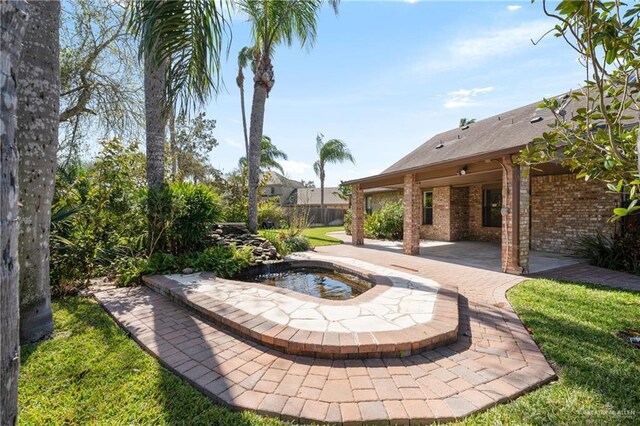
<point x="493" y="360"/>
<point x="594" y="275"/>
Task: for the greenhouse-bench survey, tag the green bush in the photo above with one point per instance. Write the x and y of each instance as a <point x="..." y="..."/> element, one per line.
<point x="196" y="208"/>
<point x="277" y="239"/>
<point x="348" y="218"/>
<point x="296" y="243"/>
<point x="386" y="223"/>
<point x="224" y="262"/>
<point x="270" y="211"/>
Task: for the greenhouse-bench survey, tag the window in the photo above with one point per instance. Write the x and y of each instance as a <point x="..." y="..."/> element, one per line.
<point x="427" y="208"/>
<point x="491" y="207"/>
<point x="368" y="204"/>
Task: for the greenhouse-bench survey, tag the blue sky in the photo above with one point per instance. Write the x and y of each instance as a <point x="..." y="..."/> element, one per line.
<point x="386" y="76"/>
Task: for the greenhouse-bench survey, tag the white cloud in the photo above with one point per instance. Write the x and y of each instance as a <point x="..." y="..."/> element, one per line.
<point x="467" y="53"/>
<point x="464" y="97"/>
<point x="295" y="168"/>
<point x="513" y="7"/>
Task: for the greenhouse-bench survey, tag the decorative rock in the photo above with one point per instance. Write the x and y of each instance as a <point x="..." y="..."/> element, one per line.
<point x="236" y="234"/>
<point x="187" y="271"/>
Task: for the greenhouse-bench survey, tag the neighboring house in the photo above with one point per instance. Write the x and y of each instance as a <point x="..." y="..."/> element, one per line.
<point x="335" y="207"/>
<point x="281" y="189"/>
<point x="462" y="184"/>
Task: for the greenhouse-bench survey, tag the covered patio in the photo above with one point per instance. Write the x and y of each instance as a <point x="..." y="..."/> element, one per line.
<point x="477" y="254"/>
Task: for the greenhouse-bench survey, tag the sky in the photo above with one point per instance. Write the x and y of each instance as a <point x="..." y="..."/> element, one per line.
<point x="386" y="76"/>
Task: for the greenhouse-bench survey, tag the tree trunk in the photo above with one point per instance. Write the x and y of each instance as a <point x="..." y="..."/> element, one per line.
<point x="244" y="118"/>
<point x="156" y="122"/>
<point x="12" y="25"/>
<point x="173" y="147"/>
<point x="322" y="212"/>
<point x="263" y="82"/>
<point x="37" y="139"/>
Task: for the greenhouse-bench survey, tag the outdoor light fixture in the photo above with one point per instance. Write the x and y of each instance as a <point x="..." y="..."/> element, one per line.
<point x="463" y="171"/>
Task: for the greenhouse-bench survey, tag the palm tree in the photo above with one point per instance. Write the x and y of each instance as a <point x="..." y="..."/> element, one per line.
<point x="13" y="23"/>
<point x="466" y="121"/>
<point x="181" y="44"/>
<point x="273" y="23"/>
<point x="245" y="56"/>
<point x="38" y="83"/>
<point x="331" y="151"/>
<point x="270" y="154"/>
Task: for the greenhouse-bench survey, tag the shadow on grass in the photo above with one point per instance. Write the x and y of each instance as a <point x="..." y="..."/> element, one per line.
<point x="575" y="326"/>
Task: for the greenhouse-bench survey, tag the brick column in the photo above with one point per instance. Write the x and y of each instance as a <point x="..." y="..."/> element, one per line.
<point x="525" y="212"/>
<point x="412" y="215"/>
<point x="510" y="239"/>
<point x="357" y="215"/>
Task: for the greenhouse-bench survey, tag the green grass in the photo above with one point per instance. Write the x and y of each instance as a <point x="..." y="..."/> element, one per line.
<point x="318" y="236"/>
<point x="90" y="372"/>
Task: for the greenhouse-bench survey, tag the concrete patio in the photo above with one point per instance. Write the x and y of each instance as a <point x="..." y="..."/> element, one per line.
<point x="493" y="360"/>
<point x="468" y="253"/>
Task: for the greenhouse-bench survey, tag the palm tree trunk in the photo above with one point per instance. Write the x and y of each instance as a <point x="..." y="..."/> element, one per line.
<point x="12" y="25"/>
<point x="322" y="212"/>
<point x="263" y="82"/>
<point x="37" y="139"/>
<point x="172" y="146"/>
<point x="156" y="122"/>
<point x="244" y="115"/>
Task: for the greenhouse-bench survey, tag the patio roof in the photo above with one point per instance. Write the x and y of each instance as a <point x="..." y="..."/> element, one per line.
<point x="491" y="138"/>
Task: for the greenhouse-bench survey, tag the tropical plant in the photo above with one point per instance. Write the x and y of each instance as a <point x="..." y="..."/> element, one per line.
<point x="348" y="220"/>
<point x="331" y="151"/>
<point x="270" y="212"/>
<point x="344" y="192"/>
<point x="38" y="83"/>
<point x="181" y="44"/>
<point x="13" y="23"/>
<point x="269" y="156"/>
<point x="245" y="57"/>
<point x="272" y="23"/>
<point x="600" y="140"/>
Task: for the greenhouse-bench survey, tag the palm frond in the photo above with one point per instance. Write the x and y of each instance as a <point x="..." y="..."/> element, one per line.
<point x="188" y="35"/>
<point x="336" y="151"/>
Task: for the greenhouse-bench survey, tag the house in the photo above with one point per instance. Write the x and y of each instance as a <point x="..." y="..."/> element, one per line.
<point x="280" y="188"/>
<point x="335" y="207"/>
<point x="464" y="184"/>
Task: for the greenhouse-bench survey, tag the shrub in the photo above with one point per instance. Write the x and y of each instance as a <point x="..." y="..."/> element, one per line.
<point x="348" y="218"/>
<point x="195" y="210"/>
<point x="295" y="243"/>
<point x="277" y="239"/>
<point x="386" y="223"/>
<point x="620" y="252"/>
<point x="223" y="261"/>
<point x="270" y="212"/>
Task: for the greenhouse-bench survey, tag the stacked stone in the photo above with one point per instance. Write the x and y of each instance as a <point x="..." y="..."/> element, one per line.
<point x="228" y="234"/>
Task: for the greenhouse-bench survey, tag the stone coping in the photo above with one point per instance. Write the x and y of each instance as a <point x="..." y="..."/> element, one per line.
<point x="401" y="315"/>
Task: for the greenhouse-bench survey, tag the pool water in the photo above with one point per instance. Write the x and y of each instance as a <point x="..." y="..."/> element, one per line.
<point x="318" y="283"/>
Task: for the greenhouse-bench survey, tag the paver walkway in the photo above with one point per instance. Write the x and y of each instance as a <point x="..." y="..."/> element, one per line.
<point x="592" y="274"/>
<point x="493" y="360"/>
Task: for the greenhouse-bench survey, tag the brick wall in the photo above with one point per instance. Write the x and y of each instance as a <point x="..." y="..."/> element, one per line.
<point x="441" y="228"/>
<point x="459" y="214"/>
<point x="564" y="208"/>
<point x="477" y="232"/>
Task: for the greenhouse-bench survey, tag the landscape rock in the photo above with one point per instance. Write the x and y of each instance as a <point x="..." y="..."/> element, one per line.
<point x="228" y="234"/>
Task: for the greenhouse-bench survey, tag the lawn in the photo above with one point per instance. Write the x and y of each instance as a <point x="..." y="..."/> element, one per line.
<point x="90" y="372"/>
<point x="318" y="236"/>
